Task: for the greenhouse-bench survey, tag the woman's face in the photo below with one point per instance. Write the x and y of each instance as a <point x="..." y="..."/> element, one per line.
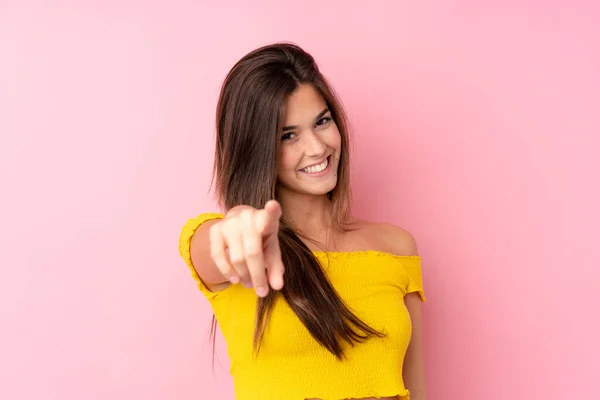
<point x="310" y="148"/>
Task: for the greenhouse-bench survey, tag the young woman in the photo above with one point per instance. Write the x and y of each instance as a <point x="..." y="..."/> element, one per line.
<point x="312" y="302"/>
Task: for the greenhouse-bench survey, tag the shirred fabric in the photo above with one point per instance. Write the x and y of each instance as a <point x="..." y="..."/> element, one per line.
<point x="291" y="364"/>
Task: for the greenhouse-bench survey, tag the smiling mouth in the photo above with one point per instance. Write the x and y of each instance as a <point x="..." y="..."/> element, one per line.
<point x="315" y="169"/>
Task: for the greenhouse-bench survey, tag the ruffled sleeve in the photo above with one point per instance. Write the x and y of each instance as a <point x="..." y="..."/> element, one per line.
<point x="415" y="281"/>
<point x="184" y="246"/>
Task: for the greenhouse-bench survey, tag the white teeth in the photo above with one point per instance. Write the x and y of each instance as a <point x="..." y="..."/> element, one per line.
<point x="316" y="168"/>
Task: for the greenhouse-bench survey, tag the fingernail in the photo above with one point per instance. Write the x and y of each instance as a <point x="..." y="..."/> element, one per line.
<point x="279" y="282"/>
<point x="248" y="285"/>
<point x="234" y="280"/>
<point x="261" y="291"/>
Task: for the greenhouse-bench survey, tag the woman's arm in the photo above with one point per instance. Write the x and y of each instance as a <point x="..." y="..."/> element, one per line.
<point x="414" y="363"/>
<point x="401" y="242"/>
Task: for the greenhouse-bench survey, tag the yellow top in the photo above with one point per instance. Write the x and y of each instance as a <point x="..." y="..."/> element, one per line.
<point x="291" y="365"/>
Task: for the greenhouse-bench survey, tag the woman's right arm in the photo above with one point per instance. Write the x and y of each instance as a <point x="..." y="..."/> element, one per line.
<point x="202" y="261"/>
<point x="241" y="247"/>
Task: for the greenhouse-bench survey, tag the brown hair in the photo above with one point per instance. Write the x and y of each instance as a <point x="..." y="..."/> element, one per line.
<point x="250" y="114"/>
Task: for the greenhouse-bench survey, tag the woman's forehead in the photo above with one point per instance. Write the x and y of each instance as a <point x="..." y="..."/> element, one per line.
<point x="303" y="105"/>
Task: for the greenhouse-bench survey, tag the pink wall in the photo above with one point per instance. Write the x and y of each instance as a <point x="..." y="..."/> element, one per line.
<point x="476" y="126"/>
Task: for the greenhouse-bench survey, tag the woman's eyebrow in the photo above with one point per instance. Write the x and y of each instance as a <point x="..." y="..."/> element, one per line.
<point x="292" y="127"/>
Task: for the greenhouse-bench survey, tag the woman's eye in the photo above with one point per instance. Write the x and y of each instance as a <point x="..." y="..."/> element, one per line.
<point x="323" y="121"/>
<point x="287" y="136"/>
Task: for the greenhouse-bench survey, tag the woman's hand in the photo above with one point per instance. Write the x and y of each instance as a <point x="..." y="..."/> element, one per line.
<point x="245" y="247"/>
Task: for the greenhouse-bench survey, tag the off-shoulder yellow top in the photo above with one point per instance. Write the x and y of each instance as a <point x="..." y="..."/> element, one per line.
<point x="291" y="365"/>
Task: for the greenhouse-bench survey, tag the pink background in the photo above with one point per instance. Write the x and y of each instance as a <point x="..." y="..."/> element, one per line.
<point x="476" y="127"/>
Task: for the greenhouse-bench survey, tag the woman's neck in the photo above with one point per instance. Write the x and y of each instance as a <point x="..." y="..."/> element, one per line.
<point x="309" y="215"/>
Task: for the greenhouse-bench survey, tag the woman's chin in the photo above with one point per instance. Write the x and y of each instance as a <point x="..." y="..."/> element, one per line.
<point x="302" y="187"/>
<point x="319" y="189"/>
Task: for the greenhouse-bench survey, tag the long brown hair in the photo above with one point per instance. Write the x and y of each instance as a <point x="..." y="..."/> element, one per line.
<point x="249" y="118"/>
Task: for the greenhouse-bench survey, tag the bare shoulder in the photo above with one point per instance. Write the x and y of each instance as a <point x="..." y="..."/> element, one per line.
<point x="389" y="238"/>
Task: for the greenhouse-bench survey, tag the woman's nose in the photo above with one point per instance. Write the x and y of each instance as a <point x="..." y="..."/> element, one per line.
<point x="314" y="145"/>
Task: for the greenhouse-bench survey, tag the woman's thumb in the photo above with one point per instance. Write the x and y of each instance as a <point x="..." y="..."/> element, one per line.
<point x="268" y="218"/>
